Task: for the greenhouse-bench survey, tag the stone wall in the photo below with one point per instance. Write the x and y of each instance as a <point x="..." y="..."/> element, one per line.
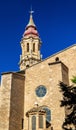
<point x="18" y="95"/>
<point x="11" y="101"/>
<point x="48" y="75"/>
<point x="17" y="102"/>
<point x="68" y="57"/>
<point x="5" y="95"/>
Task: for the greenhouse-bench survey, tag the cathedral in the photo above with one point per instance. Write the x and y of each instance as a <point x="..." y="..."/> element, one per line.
<point x="30" y="98"/>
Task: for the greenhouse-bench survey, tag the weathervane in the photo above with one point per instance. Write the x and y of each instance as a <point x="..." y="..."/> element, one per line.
<point x="31" y="11"/>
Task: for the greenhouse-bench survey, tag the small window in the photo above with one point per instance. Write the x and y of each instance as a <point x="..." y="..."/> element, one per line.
<point x="27" y="66"/>
<point x="57" y="59"/>
<point x="40" y="121"/>
<point x="34" y="47"/>
<point x="27" y="47"/>
<point x="33" y="123"/>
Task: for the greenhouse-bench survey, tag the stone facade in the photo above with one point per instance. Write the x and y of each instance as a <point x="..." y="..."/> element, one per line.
<point x="18" y="90"/>
<point x="11" y="101"/>
<point x="50" y="79"/>
<point x="36" y="84"/>
<point x="68" y="57"/>
<point x="48" y="73"/>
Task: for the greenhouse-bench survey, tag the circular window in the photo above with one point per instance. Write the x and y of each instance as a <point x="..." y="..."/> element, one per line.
<point x="41" y="91"/>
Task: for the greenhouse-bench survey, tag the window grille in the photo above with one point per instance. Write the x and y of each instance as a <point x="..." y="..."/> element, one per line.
<point x="40" y="121"/>
<point x="33" y="123"/>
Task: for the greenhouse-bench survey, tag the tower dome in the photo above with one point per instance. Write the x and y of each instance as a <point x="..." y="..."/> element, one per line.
<point x="31" y="27"/>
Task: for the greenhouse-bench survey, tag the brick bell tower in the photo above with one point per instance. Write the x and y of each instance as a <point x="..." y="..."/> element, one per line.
<point x="30" y="45"/>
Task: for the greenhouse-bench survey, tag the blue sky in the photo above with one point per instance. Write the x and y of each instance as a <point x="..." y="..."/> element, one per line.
<point x="55" y="21"/>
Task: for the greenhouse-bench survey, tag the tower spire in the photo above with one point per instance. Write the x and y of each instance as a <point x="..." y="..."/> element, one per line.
<point x="31" y="22"/>
<point x="30" y="44"/>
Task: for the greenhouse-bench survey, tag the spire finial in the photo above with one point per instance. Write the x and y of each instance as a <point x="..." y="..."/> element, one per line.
<point x="31" y="11"/>
<point x="31" y="22"/>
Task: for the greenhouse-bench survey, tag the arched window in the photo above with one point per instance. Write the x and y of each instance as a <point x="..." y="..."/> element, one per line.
<point x="48" y="114"/>
<point x="33" y="123"/>
<point x="27" y="47"/>
<point x="40" y="121"/>
<point x="33" y="47"/>
<point x="38" y="47"/>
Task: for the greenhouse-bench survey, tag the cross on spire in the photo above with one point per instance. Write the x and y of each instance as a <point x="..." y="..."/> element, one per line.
<point x="31" y="11"/>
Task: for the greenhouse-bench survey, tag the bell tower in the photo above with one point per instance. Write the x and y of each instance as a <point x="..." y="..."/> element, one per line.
<point x="30" y="45"/>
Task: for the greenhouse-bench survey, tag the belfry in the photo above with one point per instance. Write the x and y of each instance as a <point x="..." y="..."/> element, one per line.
<point x="30" y="45"/>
